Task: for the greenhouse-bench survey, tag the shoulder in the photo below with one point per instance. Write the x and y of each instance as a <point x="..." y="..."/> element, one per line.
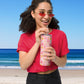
<point x="59" y="32"/>
<point x="25" y="35"/>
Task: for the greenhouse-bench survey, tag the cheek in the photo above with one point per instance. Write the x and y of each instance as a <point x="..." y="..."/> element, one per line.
<point x="50" y="20"/>
<point x="37" y="19"/>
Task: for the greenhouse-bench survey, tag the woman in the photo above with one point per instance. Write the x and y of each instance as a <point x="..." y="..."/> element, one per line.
<point x="35" y="21"/>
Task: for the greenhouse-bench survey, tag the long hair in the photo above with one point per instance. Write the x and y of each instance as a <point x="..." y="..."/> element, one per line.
<point x="28" y="24"/>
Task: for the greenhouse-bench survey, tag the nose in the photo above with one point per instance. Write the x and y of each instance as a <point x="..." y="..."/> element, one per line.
<point x="46" y="16"/>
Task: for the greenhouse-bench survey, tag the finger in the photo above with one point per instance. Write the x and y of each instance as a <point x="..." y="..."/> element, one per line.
<point x="46" y="54"/>
<point x="43" y="29"/>
<point x="48" y="51"/>
<point x="48" y="58"/>
<point x="49" y="48"/>
<point x="45" y="58"/>
<point x="40" y="33"/>
<point x="49" y="54"/>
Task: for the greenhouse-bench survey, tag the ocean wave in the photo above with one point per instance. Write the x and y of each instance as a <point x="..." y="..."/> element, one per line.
<point x="63" y="68"/>
<point x="75" y="61"/>
<point x="10" y="67"/>
<point x="72" y="68"/>
<point x="68" y="61"/>
<point x="9" y="61"/>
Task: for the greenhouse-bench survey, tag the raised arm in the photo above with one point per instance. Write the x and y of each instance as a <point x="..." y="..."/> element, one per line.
<point x="27" y="58"/>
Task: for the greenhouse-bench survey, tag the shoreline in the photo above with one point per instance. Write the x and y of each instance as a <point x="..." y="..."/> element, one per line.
<point x="18" y="76"/>
<point x="60" y="68"/>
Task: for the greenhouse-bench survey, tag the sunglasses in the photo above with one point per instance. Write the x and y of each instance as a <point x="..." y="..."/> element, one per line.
<point x="43" y="14"/>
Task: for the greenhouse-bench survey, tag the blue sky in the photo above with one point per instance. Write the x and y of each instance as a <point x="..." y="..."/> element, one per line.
<point x="70" y="14"/>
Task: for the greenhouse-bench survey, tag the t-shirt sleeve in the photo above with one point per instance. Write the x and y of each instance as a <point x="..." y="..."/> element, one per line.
<point x="64" y="47"/>
<point x="21" y="45"/>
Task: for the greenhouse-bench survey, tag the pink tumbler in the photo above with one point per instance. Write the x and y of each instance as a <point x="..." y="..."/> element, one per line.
<point x="45" y="42"/>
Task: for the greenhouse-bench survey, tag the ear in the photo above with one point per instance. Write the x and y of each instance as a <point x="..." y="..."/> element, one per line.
<point x="32" y="14"/>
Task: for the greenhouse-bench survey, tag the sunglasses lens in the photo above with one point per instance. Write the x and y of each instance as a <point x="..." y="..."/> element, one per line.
<point x="42" y="14"/>
<point x="51" y="15"/>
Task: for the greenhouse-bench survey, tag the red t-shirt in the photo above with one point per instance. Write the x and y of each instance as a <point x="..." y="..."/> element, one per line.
<point x="59" y="43"/>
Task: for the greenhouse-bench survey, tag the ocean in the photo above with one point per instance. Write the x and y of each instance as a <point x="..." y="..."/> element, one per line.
<point x="9" y="59"/>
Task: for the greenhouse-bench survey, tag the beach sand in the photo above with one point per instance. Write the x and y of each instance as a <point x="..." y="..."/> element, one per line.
<point x="18" y="76"/>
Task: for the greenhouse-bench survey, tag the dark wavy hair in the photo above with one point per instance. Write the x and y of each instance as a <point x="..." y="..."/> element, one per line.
<point x="28" y="24"/>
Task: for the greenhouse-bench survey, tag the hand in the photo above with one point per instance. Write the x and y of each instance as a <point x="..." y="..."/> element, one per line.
<point x="50" y="54"/>
<point x="39" y="32"/>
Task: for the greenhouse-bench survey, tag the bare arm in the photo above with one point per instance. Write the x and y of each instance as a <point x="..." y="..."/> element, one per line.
<point x="26" y="59"/>
<point x="61" y="61"/>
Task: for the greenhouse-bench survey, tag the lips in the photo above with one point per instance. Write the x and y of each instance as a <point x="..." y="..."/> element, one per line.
<point x="45" y="21"/>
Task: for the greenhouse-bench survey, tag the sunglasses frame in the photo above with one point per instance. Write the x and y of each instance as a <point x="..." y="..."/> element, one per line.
<point x="50" y="15"/>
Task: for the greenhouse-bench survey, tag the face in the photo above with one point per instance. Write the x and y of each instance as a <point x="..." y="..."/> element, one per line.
<point x="42" y="15"/>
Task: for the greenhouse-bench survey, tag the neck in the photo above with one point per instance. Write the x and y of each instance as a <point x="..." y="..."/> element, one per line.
<point x="50" y="30"/>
